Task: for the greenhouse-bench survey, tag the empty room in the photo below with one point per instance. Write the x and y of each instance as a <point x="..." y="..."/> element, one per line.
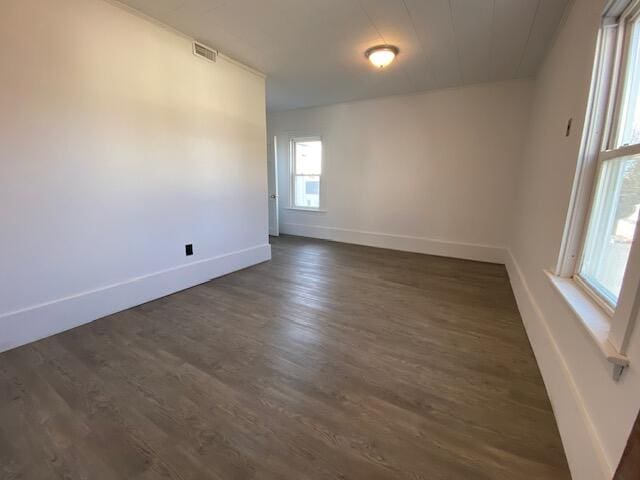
<point x="320" y="239"/>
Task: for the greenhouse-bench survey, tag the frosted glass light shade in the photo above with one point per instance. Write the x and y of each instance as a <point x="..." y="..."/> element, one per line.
<point x="381" y="55"/>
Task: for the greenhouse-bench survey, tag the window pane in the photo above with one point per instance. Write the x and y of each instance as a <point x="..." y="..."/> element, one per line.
<point x="629" y="126"/>
<point x="308" y="157"/>
<point x="307" y="191"/>
<point x="612" y="226"/>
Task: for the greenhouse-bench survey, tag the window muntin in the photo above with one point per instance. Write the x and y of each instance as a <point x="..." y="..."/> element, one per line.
<point x="613" y="215"/>
<point x="306" y="173"/>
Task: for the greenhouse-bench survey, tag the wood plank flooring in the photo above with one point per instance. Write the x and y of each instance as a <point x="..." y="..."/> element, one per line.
<point x="331" y="361"/>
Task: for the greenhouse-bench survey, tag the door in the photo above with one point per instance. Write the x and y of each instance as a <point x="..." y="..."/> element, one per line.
<point x="272" y="174"/>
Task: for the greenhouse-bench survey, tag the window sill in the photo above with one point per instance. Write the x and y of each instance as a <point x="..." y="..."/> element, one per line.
<point x="311" y="210"/>
<point x="593" y="318"/>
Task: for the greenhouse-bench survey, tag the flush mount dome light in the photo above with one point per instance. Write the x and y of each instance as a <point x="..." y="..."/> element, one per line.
<point x="381" y="55"/>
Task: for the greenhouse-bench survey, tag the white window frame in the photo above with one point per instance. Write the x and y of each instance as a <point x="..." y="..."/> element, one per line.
<point x="609" y="325"/>
<point x="292" y="173"/>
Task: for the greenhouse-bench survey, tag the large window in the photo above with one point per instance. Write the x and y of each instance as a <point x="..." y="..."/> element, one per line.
<point x="306" y="173"/>
<point x="615" y="202"/>
<point x="601" y="248"/>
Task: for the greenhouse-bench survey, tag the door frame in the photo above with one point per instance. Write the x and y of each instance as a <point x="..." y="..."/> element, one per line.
<point x="273" y="196"/>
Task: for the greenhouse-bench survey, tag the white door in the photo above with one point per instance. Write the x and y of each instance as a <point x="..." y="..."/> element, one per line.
<point x="272" y="173"/>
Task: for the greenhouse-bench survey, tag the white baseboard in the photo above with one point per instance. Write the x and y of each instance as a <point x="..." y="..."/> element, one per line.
<point x="468" y="251"/>
<point x="40" y="321"/>
<point x="581" y="442"/>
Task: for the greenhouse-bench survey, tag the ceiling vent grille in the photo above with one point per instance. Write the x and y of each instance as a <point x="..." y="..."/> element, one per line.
<point x="207" y="53"/>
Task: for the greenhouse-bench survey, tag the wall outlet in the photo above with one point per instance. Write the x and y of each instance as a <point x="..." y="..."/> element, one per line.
<point x="188" y="250"/>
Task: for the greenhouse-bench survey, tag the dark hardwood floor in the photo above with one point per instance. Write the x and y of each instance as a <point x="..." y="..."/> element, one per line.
<point x="331" y="361"/>
<point x="629" y="466"/>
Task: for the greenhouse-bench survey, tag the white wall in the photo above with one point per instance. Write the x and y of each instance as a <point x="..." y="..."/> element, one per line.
<point x="118" y="148"/>
<point x="430" y="172"/>
<point x="594" y="413"/>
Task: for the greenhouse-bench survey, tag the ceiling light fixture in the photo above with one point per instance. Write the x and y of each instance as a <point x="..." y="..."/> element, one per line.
<point x="381" y="55"/>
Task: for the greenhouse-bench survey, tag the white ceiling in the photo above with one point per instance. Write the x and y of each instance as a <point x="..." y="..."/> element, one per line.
<point x="313" y="50"/>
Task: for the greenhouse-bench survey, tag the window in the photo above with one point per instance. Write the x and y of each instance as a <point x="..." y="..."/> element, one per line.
<point x="601" y="248"/>
<point x="306" y="173"/>
<point x="616" y="199"/>
<point x="612" y="227"/>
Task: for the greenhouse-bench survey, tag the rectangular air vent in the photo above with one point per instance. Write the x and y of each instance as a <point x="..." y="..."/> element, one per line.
<point x="204" y="52"/>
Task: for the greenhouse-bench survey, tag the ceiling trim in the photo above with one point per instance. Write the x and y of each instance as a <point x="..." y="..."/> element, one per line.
<point x="159" y="23"/>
